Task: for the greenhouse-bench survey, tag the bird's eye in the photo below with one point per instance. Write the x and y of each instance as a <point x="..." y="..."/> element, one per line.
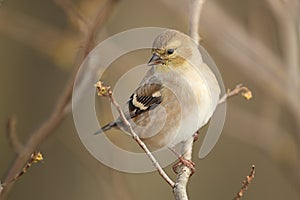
<point x="170" y="51"/>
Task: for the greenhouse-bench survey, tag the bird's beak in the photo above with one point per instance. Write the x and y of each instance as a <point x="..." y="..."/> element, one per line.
<point x="155" y="59"/>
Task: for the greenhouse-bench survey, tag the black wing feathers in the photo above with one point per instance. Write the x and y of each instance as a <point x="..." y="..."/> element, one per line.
<point x="145" y="98"/>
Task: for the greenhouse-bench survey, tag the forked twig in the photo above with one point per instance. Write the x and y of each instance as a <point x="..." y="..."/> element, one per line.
<point x="107" y="92"/>
<point x="245" y="92"/>
<point x="246" y="183"/>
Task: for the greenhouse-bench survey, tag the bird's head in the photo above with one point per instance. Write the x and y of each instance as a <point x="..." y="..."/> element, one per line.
<point x="172" y="48"/>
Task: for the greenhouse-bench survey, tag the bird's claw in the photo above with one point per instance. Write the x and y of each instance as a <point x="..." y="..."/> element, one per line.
<point x="182" y="161"/>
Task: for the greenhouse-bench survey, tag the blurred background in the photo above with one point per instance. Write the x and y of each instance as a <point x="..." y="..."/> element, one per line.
<point x="252" y="42"/>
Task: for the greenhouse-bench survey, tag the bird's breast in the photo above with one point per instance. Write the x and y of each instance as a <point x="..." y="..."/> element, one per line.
<point x="186" y="106"/>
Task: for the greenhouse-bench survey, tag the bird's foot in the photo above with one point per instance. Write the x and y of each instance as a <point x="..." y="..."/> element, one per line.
<point x="182" y="161"/>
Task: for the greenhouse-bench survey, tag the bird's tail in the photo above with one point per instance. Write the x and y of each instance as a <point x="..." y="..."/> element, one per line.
<point x="106" y="127"/>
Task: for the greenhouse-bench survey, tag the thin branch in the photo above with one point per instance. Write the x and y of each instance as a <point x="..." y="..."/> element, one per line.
<point x="59" y="113"/>
<point x="106" y="91"/>
<point x="196" y="7"/>
<point x="246" y="183"/>
<point x="12" y="136"/>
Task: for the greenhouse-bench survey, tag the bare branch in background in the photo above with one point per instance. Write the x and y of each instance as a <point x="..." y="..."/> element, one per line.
<point x="34" y="158"/>
<point x="287" y="15"/>
<point x="254" y="59"/>
<point x="74" y="15"/>
<point x="251" y="56"/>
<point x="272" y="138"/>
<point x="275" y="74"/>
<point x="106" y="91"/>
<point x="19" y="27"/>
<point x="59" y="112"/>
<point x="12" y="136"/>
<point x="100" y="18"/>
<point x="246" y="183"/>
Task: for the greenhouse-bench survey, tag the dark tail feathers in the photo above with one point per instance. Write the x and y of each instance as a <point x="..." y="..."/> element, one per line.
<point x="106" y="127"/>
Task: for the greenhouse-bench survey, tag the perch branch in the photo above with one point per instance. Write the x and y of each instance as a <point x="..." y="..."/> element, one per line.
<point x="106" y="91"/>
<point x="184" y="173"/>
<point x="246" y="183"/>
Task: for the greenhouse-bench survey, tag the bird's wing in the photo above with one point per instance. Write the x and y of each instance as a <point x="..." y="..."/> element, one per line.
<point x="145" y="98"/>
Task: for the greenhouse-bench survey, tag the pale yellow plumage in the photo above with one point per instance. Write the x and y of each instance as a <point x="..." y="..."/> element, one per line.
<point x="177" y="96"/>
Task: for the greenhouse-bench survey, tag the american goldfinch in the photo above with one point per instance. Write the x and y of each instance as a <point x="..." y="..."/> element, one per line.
<point x="177" y="96"/>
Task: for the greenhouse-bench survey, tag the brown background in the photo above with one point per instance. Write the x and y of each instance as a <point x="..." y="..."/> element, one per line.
<point x="252" y="41"/>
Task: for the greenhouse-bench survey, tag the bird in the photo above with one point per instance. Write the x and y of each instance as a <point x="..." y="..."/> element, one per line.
<point x="177" y="96"/>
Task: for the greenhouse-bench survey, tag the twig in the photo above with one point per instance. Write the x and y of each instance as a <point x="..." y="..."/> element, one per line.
<point x="106" y="91"/>
<point x="246" y="183"/>
<point x="245" y="92"/>
<point x="35" y="158"/>
<point x="12" y="137"/>
<point x="59" y="112"/>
